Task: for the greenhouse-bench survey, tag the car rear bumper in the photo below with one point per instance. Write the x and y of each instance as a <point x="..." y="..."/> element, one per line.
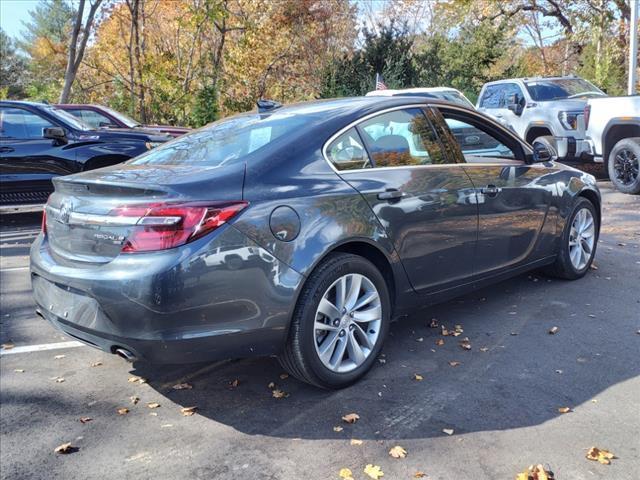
<point x="572" y="149"/>
<point x="178" y="306"/>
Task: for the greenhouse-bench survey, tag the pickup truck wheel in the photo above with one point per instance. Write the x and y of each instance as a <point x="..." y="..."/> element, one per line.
<point x="339" y="323"/>
<point x="549" y="143"/>
<point x="623" y="165"/>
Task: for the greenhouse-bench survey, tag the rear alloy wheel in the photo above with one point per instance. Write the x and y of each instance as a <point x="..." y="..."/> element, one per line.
<point x="339" y="324"/>
<point x="624" y="165"/>
<point x="578" y="242"/>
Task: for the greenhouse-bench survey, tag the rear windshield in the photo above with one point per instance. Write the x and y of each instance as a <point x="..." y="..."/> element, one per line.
<point x="225" y="141"/>
<point x="557" y="89"/>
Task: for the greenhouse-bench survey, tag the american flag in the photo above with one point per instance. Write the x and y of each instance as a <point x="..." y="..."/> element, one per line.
<point x="380" y="83"/>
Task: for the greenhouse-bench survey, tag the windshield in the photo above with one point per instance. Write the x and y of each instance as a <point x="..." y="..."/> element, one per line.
<point x="557" y="89"/>
<point x="128" y="121"/>
<point x="225" y="141"/>
<point x="69" y="119"/>
<point x="454" y="97"/>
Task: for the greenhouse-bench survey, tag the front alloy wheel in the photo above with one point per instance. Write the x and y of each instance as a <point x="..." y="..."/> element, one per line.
<point x="582" y="238"/>
<point x="347" y="323"/>
<point x="624" y="165"/>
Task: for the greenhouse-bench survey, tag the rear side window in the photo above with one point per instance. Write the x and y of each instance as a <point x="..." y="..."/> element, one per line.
<point x="22" y="124"/>
<point x="491" y="97"/>
<point x="91" y="118"/>
<point x="347" y="152"/>
<point x="400" y="138"/>
<point x="226" y="141"/>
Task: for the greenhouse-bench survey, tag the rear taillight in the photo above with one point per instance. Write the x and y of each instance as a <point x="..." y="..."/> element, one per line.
<point x="163" y="226"/>
<point x="587" y="114"/>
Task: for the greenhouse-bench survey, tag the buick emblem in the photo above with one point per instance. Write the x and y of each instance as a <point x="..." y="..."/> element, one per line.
<point x="65" y="213"/>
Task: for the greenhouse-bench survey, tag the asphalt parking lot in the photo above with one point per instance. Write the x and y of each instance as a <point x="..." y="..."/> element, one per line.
<point x="501" y="401"/>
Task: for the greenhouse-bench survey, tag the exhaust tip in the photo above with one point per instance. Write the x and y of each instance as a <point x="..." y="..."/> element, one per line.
<point x="126" y="354"/>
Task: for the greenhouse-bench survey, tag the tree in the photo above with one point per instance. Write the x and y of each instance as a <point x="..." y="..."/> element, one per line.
<point x="79" y="37"/>
<point x="13" y="69"/>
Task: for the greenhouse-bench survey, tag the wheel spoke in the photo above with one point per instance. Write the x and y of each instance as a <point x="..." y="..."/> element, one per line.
<point x="364" y="338"/>
<point x="355" y="350"/>
<point x="368" y="315"/>
<point x="354" y="291"/>
<point x="319" y="325"/>
<point x="366" y="299"/>
<point x="328" y="347"/>
<point x="338" y="354"/>
<point x="341" y="292"/>
<point x="328" y="309"/>
<point x="575" y="255"/>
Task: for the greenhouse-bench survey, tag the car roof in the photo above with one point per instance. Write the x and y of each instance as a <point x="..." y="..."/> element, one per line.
<point x="24" y="103"/>
<point x="398" y="92"/>
<point x="533" y="79"/>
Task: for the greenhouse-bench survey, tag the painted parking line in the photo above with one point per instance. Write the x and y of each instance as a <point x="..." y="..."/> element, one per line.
<point x="41" y="348"/>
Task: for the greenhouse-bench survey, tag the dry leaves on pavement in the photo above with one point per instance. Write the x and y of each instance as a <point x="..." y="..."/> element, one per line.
<point x="134" y="399"/>
<point x="64" y="448"/>
<point x="7" y="346"/>
<point x="418" y="377"/>
<point x="453" y="363"/>
<point x="419" y="475"/>
<point x="553" y="330"/>
<point x="465" y="344"/>
<point x="439" y="342"/>
<point x="182" y="386"/>
<point x="284" y="376"/>
<point x="277" y="393"/>
<point x="373" y="471"/>
<point x="564" y="409"/>
<point x="96" y="364"/>
<point x="123" y="411"/>
<point x="433" y="323"/>
<point x="536" y="472"/>
<point x="234" y="383"/>
<point x="59" y="379"/>
<point x="153" y="405"/>
<point x="351" y="417"/>
<point x="355" y="441"/>
<point x="85" y="419"/>
<point x="398" y="452"/>
<point x="599" y="455"/>
<point x="188" y="411"/>
<point x="139" y="380"/>
<point x="448" y="431"/>
<point x="59" y="357"/>
<point x="337" y="428"/>
<point x="19" y="370"/>
<point x="345" y="474"/>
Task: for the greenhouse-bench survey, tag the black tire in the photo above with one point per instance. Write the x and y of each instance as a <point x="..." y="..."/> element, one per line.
<point x="623" y="164"/>
<point x="549" y="143"/>
<point x="299" y="357"/>
<point x="563" y="268"/>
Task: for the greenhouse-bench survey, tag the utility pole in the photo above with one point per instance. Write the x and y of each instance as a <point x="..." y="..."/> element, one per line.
<point x="633" y="48"/>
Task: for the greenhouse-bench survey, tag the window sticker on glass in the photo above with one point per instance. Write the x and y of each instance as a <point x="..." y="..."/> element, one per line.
<point x="259" y="137"/>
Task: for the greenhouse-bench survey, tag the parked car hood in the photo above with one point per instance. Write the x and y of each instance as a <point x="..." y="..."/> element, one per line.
<point x="126" y="134"/>
<point x="568" y="105"/>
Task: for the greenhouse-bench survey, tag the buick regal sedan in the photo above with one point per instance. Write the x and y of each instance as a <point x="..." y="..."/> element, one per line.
<point x="302" y="231"/>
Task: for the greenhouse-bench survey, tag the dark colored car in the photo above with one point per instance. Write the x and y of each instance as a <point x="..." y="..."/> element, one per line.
<point x="99" y="116"/>
<point x="302" y="231"/>
<point x="39" y="142"/>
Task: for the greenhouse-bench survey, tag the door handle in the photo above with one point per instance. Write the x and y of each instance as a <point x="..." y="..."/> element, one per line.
<point x="390" y="195"/>
<point x="6" y="149"/>
<point x="491" y="190"/>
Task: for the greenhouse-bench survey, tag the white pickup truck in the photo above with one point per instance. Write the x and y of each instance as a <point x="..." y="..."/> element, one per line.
<point x="613" y="134"/>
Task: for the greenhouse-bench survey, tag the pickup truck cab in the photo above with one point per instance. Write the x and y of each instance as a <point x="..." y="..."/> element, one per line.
<point x="613" y="134"/>
<point x="547" y="111"/>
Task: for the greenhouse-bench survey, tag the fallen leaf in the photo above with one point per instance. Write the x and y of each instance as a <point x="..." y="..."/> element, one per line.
<point x="444" y="331"/>
<point x="271" y="385"/>
<point x="64" y="448"/>
<point x="355" y="441"/>
<point x="440" y="342"/>
<point x="188" y="411"/>
<point x="593" y="266"/>
<point x="351" y="417"/>
<point x="373" y="471"/>
<point x="591" y="315"/>
<point x="96" y="364"/>
<point x="123" y="411"/>
<point x="535" y="472"/>
<point x="134" y="399"/>
<point x="434" y="323"/>
<point x="419" y="475"/>
<point x="19" y="370"/>
<point x="166" y="425"/>
<point x="484" y="349"/>
<point x="182" y="386"/>
<point x="153" y="405"/>
<point x="59" y="380"/>
<point x="383" y="361"/>
<point x="153" y="414"/>
<point x="337" y="428"/>
<point x="85" y="419"/>
<point x="234" y="383"/>
<point x="398" y="452"/>
<point x="553" y="330"/>
<point x="465" y="344"/>
<point x="564" y="409"/>
<point x="559" y="371"/>
<point x="599" y="455"/>
<point x="284" y="376"/>
<point x="345" y="474"/>
<point x="418" y="378"/>
<point x="7" y="346"/>
<point x="421" y="339"/>
<point x="59" y="357"/>
<point x="514" y="334"/>
<point x="454" y="363"/>
<point x="448" y="431"/>
<point x="277" y="393"/>
<point x="137" y="380"/>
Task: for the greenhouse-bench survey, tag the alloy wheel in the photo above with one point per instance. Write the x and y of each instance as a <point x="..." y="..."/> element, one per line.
<point x="347" y="323"/>
<point x="582" y="238"/>
<point x="625" y="165"/>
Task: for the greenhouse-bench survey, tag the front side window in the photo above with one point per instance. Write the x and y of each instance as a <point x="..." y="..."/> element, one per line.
<point x="21" y="124"/>
<point x="92" y="118"/>
<point x="347" y="152"/>
<point x="400" y="138"/>
<point x="491" y="97"/>
<point x="510" y="90"/>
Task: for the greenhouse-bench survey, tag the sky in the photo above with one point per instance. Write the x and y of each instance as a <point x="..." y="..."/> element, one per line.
<point x="13" y="13"/>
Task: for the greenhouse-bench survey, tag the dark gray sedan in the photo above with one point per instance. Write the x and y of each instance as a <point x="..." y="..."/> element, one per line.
<point x="302" y="231"/>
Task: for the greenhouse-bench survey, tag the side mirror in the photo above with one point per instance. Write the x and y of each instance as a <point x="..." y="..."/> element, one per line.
<point x="516" y="108"/>
<point x="56" y="134"/>
<point x="541" y="153"/>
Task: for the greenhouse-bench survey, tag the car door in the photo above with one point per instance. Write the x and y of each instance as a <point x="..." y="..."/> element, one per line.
<point x="513" y="198"/>
<point x="396" y="162"/>
<point x="28" y="161"/>
<point x="511" y="94"/>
